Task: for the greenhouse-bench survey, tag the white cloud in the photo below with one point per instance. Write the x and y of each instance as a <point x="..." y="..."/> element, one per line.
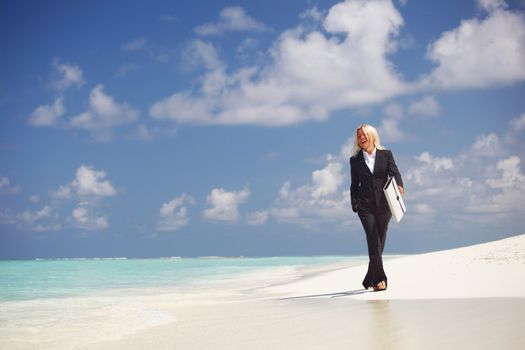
<point x="427" y="106"/>
<point x="174" y="214"/>
<point x="136" y="44"/>
<point x="480" y="52"/>
<point x="63" y="192"/>
<point x="394" y="111"/>
<point x="183" y="108"/>
<point x="104" y="113"/>
<point x="200" y="53"/>
<point x="247" y="49"/>
<point x="233" y="18"/>
<point x="30" y="217"/>
<point x="88" y="182"/>
<point x="345" y="152"/>
<point x="323" y="200"/>
<point x="47" y="115"/>
<point x="257" y="218"/>
<point x="312" y="73"/>
<point x="471" y="189"/>
<point x="390" y="131"/>
<point x="428" y="168"/>
<point x="69" y="75"/>
<point x="511" y="176"/>
<point x="224" y="204"/>
<point x="486" y="145"/>
<point x="284" y="191"/>
<point x="518" y="124"/>
<point x="515" y="129"/>
<point x="313" y="14"/>
<point x="423" y="209"/>
<point x="505" y="201"/>
<point x="125" y="69"/>
<point x="146" y="133"/>
<point x="6" y="187"/>
<point x="88" y="188"/>
<point x="85" y="219"/>
<point x="7" y="216"/>
<point x="435" y="163"/>
<point x="40" y="221"/>
<point x="326" y="181"/>
<point x="492" y="5"/>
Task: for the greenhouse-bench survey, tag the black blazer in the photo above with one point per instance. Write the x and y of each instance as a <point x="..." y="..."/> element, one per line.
<point x="366" y="187"/>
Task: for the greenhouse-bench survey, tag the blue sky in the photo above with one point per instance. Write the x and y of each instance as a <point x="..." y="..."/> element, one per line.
<point x="166" y="128"/>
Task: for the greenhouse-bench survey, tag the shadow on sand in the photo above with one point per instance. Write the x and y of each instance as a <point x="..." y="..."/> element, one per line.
<point x="332" y="295"/>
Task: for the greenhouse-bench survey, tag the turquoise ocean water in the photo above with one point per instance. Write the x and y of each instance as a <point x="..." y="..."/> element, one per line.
<point x="75" y="303"/>
<point x="37" y="279"/>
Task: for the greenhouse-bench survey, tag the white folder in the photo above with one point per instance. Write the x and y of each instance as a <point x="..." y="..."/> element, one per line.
<point x="394" y="199"/>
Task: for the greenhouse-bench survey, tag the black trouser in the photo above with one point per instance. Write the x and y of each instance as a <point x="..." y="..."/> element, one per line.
<point x="375" y="223"/>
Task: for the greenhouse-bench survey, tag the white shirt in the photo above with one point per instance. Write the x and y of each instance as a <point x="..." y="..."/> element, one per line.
<point x="370" y="159"/>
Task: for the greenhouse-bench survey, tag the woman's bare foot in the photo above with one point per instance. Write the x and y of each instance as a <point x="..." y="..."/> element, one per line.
<point x="380" y="286"/>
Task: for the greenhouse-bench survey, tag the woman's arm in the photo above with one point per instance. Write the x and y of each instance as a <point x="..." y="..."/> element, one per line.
<point x="394" y="171"/>
<point x="354" y="186"/>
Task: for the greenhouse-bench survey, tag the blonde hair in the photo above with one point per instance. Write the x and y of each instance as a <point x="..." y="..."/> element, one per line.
<point x="369" y="131"/>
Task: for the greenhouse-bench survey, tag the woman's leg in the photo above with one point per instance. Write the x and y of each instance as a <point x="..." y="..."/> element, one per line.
<point x="375" y="273"/>
<point x="382" y="220"/>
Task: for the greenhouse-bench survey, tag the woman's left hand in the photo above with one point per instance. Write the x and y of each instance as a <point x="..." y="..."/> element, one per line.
<point x="401" y="190"/>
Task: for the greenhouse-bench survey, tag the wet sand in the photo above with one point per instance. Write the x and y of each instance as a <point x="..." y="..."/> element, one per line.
<point x="339" y="323"/>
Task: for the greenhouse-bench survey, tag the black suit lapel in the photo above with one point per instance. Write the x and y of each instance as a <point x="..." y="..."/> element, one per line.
<point x="361" y="158"/>
<point x="379" y="158"/>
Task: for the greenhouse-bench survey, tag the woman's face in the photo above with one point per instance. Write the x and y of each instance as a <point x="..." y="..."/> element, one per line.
<point x="363" y="140"/>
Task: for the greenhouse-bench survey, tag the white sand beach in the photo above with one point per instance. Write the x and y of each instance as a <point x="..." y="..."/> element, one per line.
<point x="468" y="298"/>
<point x="489" y="270"/>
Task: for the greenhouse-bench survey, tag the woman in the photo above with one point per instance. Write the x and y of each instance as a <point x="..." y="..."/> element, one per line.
<point x="370" y="166"/>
